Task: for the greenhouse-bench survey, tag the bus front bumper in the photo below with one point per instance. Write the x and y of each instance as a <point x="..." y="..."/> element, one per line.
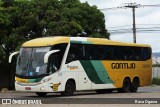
<point x="27" y="87"/>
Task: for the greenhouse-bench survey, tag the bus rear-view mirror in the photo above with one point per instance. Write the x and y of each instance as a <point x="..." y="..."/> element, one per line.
<point x="46" y="56"/>
<point x="11" y="56"/>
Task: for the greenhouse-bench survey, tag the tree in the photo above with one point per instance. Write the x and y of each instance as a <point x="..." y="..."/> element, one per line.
<point x="21" y="20"/>
<point x="89" y="18"/>
<point x="7" y="3"/>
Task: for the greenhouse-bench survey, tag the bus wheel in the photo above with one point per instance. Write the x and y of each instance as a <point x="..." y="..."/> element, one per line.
<point x="104" y="91"/>
<point x="69" y="89"/>
<point x="41" y="94"/>
<point x="134" y="85"/>
<point x="126" y="86"/>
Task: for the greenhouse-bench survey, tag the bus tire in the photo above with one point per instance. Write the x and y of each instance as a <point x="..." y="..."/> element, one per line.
<point x="69" y="88"/>
<point x="41" y="94"/>
<point x="135" y="85"/>
<point x="126" y="86"/>
<point x="104" y="91"/>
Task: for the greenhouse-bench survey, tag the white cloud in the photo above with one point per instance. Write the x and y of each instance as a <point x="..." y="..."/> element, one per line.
<point x="120" y="17"/>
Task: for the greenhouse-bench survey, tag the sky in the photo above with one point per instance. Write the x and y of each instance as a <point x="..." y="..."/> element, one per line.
<point x="147" y="21"/>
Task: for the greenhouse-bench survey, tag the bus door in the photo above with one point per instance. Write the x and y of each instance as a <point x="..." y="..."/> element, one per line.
<point x="75" y="63"/>
<point x="53" y="67"/>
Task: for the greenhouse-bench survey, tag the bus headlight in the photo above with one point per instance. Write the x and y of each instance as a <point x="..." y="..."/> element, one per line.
<point x="46" y="80"/>
<point x="42" y="88"/>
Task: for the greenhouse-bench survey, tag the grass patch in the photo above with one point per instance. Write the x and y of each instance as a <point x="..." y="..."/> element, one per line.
<point x="156" y="81"/>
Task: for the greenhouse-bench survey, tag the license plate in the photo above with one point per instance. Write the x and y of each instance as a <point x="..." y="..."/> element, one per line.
<point x="27" y="88"/>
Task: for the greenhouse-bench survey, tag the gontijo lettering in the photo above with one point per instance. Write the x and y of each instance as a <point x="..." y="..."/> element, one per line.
<point x="123" y="65"/>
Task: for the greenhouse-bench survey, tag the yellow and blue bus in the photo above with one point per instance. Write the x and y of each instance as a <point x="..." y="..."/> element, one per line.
<point x="69" y="64"/>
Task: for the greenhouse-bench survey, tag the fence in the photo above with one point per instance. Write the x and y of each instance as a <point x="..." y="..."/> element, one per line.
<point x="155" y="72"/>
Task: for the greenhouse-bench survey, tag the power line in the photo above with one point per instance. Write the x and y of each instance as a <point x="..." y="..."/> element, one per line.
<point x="127" y="29"/>
<point x="153" y="29"/>
<point x="147" y="28"/>
<point x="119" y="26"/>
<point x="123" y="6"/>
<point x="148" y="24"/>
<point x="138" y="31"/>
<point x="132" y="6"/>
<point x="157" y="5"/>
<point x="131" y="25"/>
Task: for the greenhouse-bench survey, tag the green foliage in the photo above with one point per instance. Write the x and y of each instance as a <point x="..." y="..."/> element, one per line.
<point x="21" y="20"/>
<point x="156" y="81"/>
<point x="156" y="65"/>
<point x="1" y="54"/>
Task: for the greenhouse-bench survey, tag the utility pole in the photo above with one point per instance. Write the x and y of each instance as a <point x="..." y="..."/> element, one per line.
<point x="133" y="6"/>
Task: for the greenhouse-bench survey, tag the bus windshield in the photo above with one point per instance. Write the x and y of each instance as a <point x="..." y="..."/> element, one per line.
<point x="30" y="62"/>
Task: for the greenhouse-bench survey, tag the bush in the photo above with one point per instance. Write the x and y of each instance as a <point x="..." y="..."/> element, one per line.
<point x="156" y="65"/>
<point x="156" y="81"/>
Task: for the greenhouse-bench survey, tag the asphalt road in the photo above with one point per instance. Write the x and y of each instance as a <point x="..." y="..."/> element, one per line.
<point x="89" y="97"/>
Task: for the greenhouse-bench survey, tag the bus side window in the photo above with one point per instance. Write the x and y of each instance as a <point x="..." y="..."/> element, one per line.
<point x="90" y="52"/>
<point x="138" y="53"/>
<point x="108" y="53"/>
<point x="101" y="54"/>
<point x="75" y="53"/>
<point x="146" y="53"/>
<point x="71" y="57"/>
<point x="114" y="55"/>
